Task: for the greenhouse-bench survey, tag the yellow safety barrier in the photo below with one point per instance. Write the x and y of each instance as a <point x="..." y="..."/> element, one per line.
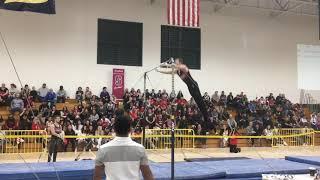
<point x="26" y="141"/>
<point x="161" y="138"/>
<point x="283" y="137"/>
<point x="22" y="141"/>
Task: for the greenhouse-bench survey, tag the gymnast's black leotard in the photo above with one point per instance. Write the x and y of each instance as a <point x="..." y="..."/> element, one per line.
<point x="195" y="93"/>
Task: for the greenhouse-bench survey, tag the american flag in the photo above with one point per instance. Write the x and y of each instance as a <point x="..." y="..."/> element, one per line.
<point x="183" y="12"/>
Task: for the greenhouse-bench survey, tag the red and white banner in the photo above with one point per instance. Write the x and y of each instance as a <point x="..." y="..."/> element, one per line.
<point x="183" y="12"/>
<point x="118" y="83"/>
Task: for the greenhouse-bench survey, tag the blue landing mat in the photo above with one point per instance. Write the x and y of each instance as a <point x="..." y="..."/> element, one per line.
<point x="255" y="167"/>
<point x="184" y="170"/>
<point x="213" y="159"/>
<point x="49" y="171"/>
<point x="83" y="170"/>
<point x="228" y="169"/>
<point x="312" y="160"/>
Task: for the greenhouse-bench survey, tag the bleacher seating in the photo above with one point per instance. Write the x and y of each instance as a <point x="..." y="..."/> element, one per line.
<point x="70" y="103"/>
<point x="210" y="143"/>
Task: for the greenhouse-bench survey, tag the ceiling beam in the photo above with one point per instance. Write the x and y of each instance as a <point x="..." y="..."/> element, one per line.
<point x="262" y="8"/>
<point x="290" y="9"/>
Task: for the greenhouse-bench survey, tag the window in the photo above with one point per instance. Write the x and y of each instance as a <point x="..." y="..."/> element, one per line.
<point x="119" y="43"/>
<point x="181" y="42"/>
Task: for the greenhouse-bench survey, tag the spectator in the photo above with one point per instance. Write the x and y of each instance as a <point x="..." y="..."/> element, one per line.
<point x="258" y="132"/>
<point x="34" y="94"/>
<point x="99" y="132"/>
<point x="25" y="92"/>
<point x="303" y="121"/>
<point x="13" y="91"/>
<point x="61" y="95"/>
<point x="313" y="121"/>
<point x="164" y="93"/>
<point x="88" y="94"/>
<point x="36" y="125"/>
<point x="65" y="112"/>
<point x="180" y="95"/>
<point x="94" y="116"/>
<point x="11" y="123"/>
<point x="54" y="112"/>
<point x="230" y="100"/>
<point x="24" y="123"/>
<point x="234" y="143"/>
<point x="4" y="94"/>
<point x="224" y="132"/>
<point x="2" y="122"/>
<point x="42" y="92"/>
<point x="153" y="93"/>
<point x="215" y="98"/>
<point x="44" y="109"/>
<point x="104" y="95"/>
<point x="268" y="132"/>
<point x="250" y="132"/>
<point x="17" y="104"/>
<point x="150" y="119"/>
<point x="70" y="132"/>
<point x="172" y="95"/>
<point x="79" y="94"/>
<point x="51" y="98"/>
<point x="206" y="97"/>
<point x="232" y="124"/>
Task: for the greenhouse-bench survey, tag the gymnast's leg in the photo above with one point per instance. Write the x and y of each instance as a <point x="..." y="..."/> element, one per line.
<point x="195" y="93"/>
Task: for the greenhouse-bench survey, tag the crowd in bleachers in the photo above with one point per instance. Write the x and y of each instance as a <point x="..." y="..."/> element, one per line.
<point x="95" y="114"/>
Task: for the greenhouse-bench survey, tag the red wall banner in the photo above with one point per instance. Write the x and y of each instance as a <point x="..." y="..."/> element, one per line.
<point x="118" y="83"/>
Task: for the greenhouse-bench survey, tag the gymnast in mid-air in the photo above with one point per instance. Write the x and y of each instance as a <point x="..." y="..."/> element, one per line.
<point x="182" y="70"/>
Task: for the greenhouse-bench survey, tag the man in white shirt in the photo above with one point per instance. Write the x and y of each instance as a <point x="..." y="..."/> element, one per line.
<point x="122" y="158"/>
<point x="42" y="92"/>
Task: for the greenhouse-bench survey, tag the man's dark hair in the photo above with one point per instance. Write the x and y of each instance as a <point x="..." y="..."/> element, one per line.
<point x="122" y="125"/>
<point x="119" y="112"/>
<point x="180" y="59"/>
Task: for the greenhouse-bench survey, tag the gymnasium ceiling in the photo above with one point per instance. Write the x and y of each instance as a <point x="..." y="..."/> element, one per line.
<point x="270" y="8"/>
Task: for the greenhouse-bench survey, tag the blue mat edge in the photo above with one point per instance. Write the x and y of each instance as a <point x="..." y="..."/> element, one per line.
<point x="300" y="160"/>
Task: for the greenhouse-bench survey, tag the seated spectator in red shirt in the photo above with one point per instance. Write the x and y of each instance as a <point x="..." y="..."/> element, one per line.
<point x="133" y="113"/>
<point x="163" y="104"/>
<point x="181" y="101"/>
<point x="105" y="122"/>
<point x="36" y="124"/>
<point x="4" y="93"/>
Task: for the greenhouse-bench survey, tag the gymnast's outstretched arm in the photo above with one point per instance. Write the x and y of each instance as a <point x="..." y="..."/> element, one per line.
<point x="172" y="69"/>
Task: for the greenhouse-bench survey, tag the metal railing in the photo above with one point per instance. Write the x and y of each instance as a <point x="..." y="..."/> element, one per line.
<point x="22" y="141"/>
<point x="293" y="137"/>
<point x="160" y="138"/>
<point x="27" y="141"/>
